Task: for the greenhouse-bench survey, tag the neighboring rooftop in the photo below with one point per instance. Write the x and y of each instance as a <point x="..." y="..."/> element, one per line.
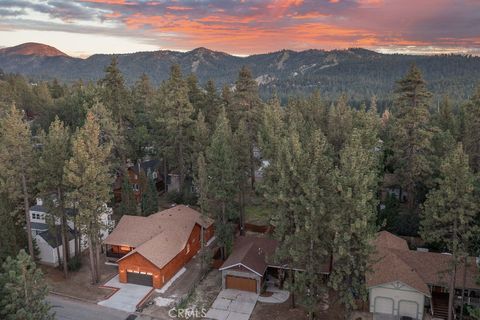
<point x="54" y="237"/>
<point x="394" y="261"/>
<point x="253" y="253"/>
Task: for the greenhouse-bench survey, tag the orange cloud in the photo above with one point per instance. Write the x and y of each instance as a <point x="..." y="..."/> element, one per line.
<point x="112" y="2"/>
<point x="179" y="8"/>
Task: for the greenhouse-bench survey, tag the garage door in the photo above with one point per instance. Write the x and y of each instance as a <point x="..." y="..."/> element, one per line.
<point x="240" y="283"/>
<point x="140" y="278"/>
<point x="383" y="305"/>
<point x="408" y="308"/>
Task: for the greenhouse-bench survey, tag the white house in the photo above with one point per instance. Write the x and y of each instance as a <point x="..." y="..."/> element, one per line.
<point x="49" y="238"/>
<point x="407" y="283"/>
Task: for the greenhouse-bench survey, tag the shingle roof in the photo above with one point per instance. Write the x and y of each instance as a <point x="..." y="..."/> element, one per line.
<point x="160" y="236"/>
<point x="38" y="208"/>
<point x="393" y="261"/>
<point x="38" y="226"/>
<point x="49" y="236"/>
<point x="252" y="252"/>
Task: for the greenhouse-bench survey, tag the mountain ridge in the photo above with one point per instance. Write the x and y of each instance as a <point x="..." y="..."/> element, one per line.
<point x="357" y="72"/>
<point x="33" y="49"/>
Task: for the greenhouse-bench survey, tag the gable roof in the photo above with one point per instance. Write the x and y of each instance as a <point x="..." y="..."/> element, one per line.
<point x="394" y="261"/>
<point x="251" y="252"/>
<point x="160" y="236"/>
<point x="54" y="237"/>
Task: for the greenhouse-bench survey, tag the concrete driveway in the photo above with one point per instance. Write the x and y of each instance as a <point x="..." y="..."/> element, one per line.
<point x="127" y="297"/>
<point x="232" y="305"/>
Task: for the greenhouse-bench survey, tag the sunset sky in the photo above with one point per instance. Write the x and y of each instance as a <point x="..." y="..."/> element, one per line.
<point x="243" y="27"/>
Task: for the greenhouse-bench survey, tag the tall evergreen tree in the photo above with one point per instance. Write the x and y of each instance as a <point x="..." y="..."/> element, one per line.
<point x="240" y="148"/>
<point x="128" y="205"/>
<point x="211" y="105"/>
<point x="12" y="235"/>
<point x="247" y="106"/>
<point x="51" y="167"/>
<point x="353" y="220"/>
<point x="471" y="134"/>
<point x="449" y="212"/>
<point x="413" y="134"/>
<point x="340" y="123"/>
<point x="115" y="96"/>
<point x="88" y="174"/>
<point x="17" y="163"/>
<point x="201" y="183"/>
<point x="222" y="187"/>
<point x="175" y="118"/>
<point x="150" y="197"/>
<point x="23" y="290"/>
<point x="309" y="244"/>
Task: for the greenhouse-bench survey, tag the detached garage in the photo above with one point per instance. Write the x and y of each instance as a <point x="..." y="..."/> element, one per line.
<point x="246" y="266"/>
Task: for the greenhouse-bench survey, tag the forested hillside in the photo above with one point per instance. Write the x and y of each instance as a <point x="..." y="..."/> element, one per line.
<point x="359" y="73"/>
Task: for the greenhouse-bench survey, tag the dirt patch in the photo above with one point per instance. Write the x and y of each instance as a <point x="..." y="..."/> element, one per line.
<point x="280" y="311"/>
<point x="78" y="282"/>
<point x="207" y="291"/>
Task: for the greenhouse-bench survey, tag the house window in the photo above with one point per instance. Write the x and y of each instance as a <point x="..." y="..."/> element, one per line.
<point x="188" y="248"/>
<point x="154" y="175"/>
<point x="135" y="187"/>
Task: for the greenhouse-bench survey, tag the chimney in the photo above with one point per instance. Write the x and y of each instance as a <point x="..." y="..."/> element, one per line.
<point x="39" y="202"/>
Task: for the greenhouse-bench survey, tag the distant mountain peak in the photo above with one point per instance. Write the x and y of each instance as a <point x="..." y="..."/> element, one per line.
<point x="33" y="49"/>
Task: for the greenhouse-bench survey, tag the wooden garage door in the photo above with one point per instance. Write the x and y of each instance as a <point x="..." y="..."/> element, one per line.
<point x="383" y="305"/>
<point x="139" y="278"/>
<point x="240" y="283"/>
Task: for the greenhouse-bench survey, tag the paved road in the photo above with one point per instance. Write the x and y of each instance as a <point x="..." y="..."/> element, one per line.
<point x="66" y="309"/>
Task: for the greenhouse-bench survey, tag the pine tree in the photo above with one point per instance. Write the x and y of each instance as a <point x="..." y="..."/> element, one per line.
<point x="150" y="197"/>
<point x="412" y="133"/>
<point x="247" y="106"/>
<point x="271" y="129"/>
<point x="211" y="105"/>
<point x="17" y="162"/>
<point x="240" y="148"/>
<point x="23" y="290"/>
<point x="128" y="205"/>
<point x="88" y="174"/>
<point x="448" y="214"/>
<point x="116" y="98"/>
<point x="201" y="183"/>
<point x="471" y="134"/>
<point x="340" y="123"/>
<point x="175" y="119"/>
<point x="12" y="234"/>
<point x="309" y="243"/>
<point x="201" y="137"/>
<point x="110" y="133"/>
<point x="353" y="222"/>
<point x="139" y="136"/>
<point x="221" y="165"/>
<point x="51" y="167"/>
<point x="195" y="94"/>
